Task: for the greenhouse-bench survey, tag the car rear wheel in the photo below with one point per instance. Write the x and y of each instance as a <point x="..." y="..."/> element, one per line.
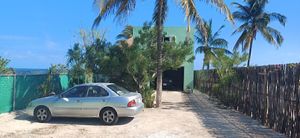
<point x="109" y="116"/>
<point x="42" y="114"/>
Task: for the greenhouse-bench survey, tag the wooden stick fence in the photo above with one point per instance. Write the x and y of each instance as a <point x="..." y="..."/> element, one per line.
<point x="269" y="94"/>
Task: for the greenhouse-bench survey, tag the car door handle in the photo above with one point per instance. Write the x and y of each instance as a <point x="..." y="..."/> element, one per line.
<point x="77" y="101"/>
<point x="103" y="100"/>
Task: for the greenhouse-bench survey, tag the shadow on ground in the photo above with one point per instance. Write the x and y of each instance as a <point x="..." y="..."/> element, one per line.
<point x="184" y="106"/>
<point x="71" y="120"/>
<point x="225" y="122"/>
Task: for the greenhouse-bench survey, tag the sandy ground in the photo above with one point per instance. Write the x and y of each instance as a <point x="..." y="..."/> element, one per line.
<point x="168" y="121"/>
<point x="181" y="115"/>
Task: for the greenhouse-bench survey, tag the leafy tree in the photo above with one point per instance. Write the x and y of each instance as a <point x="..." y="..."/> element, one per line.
<point x="209" y="42"/>
<point x="53" y="73"/>
<point x="75" y="63"/>
<point x="3" y="66"/>
<point x="122" y="8"/>
<point x="225" y="65"/>
<point x="138" y="57"/>
<point x="58" y="69"/>
<point x="95" y="55"/>
<point x="129" y="63"/>
<point x="86" y="60"/>
<point x="255" y="19"/>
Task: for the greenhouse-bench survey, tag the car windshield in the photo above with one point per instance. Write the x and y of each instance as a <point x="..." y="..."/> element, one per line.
<point x="118" y="89"/>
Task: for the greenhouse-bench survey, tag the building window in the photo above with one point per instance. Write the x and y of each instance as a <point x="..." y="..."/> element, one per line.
<point x="169" y="39"/>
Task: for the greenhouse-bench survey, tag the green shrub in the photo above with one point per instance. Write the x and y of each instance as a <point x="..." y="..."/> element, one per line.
<point x="148" y="97"/>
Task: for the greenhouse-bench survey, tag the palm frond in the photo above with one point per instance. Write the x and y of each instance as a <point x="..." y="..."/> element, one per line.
<point x="125" y="7"/>
<point x="200" y="49"/>
<point x="208" y="27"/>
<point x="121" y="8"/>
<point x="257" y="7"/>
<point x="228" y="52"/>
<point x="244" y="9"/>
<point x="259" y="4"/>
<point x="126" y="33"/>
<point x="272" y="36"/>
<point x="199" y="40"/>
<point x="241" y="40"/>
<point x="240" y="16"/>
<point x="222" y="6"/>
<point x="267" y="35"/>
<point x="220" y="43"/>
<point x="215" y="50"/>
<point x="190" y="10"/>
<point x="276" y="34"/>
<point x="276" y="16"/>
<point x="243" y="27"/>
<point x="201" y="34"/>
<point x="217" y="33"/>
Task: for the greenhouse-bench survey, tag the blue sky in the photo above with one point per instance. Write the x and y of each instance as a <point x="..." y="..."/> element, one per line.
<point x="38" y="33"/>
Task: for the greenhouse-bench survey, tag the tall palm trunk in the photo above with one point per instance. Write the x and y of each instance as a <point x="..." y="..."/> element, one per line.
<point x="250" y="51"/>
<point x="159" y="28"/>
<point x="188" y="31"/>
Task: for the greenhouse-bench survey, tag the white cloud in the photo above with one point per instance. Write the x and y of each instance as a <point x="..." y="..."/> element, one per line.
<point x="15" y="37"/>
<point x="51" y="44"/>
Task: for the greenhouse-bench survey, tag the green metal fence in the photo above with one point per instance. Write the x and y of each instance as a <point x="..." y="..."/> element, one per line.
<point x="17" y="91"/>
<point x="6" y="93"/>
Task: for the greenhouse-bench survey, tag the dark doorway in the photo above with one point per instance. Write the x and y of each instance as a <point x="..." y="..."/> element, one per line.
<point x="173" y="79"/>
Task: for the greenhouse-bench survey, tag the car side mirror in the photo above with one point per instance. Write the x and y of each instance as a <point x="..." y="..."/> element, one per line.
<point x="52" y="93"/>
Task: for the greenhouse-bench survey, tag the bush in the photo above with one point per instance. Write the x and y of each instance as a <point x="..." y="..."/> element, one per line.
<point x="148" y="97"/>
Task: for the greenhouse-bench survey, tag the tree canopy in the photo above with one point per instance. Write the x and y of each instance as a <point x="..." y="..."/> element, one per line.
<point x="4" y="69"/>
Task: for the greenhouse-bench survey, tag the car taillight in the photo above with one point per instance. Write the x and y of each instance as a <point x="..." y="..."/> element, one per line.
<point x="131" y="103"/>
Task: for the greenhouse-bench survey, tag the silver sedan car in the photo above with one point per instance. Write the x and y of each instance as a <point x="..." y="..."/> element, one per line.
<point x="107" y="101"/>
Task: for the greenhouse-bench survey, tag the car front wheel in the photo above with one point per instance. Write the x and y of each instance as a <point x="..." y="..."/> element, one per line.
<point x="109" y="116"/>
<point x="42" y="114"/>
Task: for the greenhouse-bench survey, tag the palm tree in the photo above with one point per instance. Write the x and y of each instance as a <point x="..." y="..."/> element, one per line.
<point x="209" y="43"/>
<point x="126" y="37"/>
<point x="256" y="19"/>
<point x="122" y="8"/>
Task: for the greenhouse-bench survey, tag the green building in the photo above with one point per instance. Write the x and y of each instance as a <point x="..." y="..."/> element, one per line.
<point x="182" y="78"/>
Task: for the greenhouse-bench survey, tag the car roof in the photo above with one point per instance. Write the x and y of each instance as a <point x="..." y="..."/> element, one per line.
<point x="93" y="84"/>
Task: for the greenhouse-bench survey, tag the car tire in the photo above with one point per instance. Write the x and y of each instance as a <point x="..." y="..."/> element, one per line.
<point x="109" y="116"/>
<point x="42" y="114"/>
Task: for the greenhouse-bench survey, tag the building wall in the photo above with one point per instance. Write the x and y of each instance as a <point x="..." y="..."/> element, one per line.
<point x="180" y="34"/>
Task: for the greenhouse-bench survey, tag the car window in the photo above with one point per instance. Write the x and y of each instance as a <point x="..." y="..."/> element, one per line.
<point x="75" y="92"/>
<point x="96" y="91"/>
<point x="118" y="89"/>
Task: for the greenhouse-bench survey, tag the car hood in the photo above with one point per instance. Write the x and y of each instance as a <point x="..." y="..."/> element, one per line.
<point x="45" y="99"/>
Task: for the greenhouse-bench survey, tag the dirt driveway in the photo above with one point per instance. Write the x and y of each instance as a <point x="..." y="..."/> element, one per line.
<point x="181" y="115"/>
<point x="172" y="120"/>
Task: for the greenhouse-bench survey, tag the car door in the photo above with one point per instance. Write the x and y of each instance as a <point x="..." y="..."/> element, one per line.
<point x="96" y="99"/>
<point x="70" y="104"/>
